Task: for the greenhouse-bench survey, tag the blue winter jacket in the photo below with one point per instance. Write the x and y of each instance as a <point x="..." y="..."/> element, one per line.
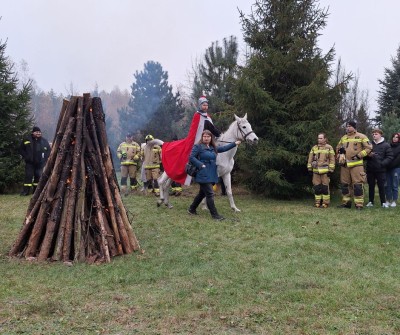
<point x="203" y="155"/>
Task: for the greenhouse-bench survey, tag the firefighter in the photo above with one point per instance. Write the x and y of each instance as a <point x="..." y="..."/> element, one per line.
<point x="128" y="153"/>
<point x="151" y="155"/>
<point x="350" y="151"/>
<point x="176" y="189"/>
<point x="321" y="164"/>
<point x="35" y="150"/>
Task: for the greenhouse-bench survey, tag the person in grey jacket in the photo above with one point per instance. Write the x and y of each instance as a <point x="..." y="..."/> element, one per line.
<point x="377" y="161"/>
<point x="203" y="156"/>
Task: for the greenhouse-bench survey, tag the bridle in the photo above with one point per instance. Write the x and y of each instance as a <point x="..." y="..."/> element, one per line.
<point x="243" y="133"/>
<point x="239" y="130"/>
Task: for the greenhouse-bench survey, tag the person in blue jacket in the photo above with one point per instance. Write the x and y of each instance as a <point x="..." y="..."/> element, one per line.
<point x="203" y="156"/>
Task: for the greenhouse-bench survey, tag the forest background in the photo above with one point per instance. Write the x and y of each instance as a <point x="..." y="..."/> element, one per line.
<point x="288" y="86"/>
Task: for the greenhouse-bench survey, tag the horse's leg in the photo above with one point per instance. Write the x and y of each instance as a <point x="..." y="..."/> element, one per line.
<point x="167" y="185"/>
<point x="161" y="181"/>
<point x="227" y="181"/>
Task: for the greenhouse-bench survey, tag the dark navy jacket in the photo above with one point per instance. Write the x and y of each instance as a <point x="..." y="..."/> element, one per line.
<point x="35" y="151"/>
<point x="203" y="155"/>
<point x="395" y="163"/>
<point x="382" y="156"/>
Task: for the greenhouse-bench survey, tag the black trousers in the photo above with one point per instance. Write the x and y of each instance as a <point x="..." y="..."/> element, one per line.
<point x="206" y="191"/>
<point x="374" y="178"/>
<point x="33" y="173"/>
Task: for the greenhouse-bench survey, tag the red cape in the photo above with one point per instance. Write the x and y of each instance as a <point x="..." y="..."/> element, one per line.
<point x="175" y="154"/>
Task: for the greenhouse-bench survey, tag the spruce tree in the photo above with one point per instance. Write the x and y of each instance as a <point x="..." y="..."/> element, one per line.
<point x="285" y="89"/>
<point x="389" y="93"/>
<point x="15" y="121"/>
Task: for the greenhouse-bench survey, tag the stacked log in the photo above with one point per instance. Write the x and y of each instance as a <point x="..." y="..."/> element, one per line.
<point x="76" y="212"/>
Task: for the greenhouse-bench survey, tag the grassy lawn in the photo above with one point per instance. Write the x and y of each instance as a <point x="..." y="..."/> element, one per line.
<point x="278" y="267"/>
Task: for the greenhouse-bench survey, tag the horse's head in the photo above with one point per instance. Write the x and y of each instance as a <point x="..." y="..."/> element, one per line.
<point x="245" y="131"/>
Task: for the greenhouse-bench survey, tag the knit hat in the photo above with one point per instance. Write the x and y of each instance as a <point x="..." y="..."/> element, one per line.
<point x="352" y="123"/>
<point x="36" y="129"/>
<point x="202" y="100"/>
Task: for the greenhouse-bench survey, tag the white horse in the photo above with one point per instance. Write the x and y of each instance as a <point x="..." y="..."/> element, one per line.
<point x="239" y="130"/>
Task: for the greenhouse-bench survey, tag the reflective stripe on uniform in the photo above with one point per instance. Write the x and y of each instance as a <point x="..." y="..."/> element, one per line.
<point x="354" y="163"/>
<point x="128" y="163"/>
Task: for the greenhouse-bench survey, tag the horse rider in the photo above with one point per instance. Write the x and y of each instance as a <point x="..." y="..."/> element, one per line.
<point x="176" y="153"/>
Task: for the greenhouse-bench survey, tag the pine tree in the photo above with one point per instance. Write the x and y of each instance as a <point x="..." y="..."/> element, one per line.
<point x="164" y="120"/>
<point x="15" y="121"/>
<point x="285" y="89"/>
<point x="214" y="75"/>
<point x="152" y="100"/>
<point x="389" y="93"/>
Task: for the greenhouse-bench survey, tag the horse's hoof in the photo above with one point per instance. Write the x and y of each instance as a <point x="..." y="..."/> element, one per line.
<point x="169" y="206"/>
<point x="236" y="209"/>
<point x="159" y="202"/>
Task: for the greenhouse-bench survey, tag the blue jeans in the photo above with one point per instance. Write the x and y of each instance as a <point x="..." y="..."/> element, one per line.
<point x="392" y="184"/>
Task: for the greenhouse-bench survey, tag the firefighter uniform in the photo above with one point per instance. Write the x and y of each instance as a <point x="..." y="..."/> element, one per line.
<point x="352" y="148"/>
<point x="152" y="164"/>
<point x="128" y="153"/>
<point x="321" y="162"/>
<point x="176" y="188"/>
<point x="35" y="150"/>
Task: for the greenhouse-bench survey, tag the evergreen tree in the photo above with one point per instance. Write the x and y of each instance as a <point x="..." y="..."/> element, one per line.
<point x="15" y="121"/>
<point x="153" y="106"/>
<point x="390" y="124"/>
<point x="164" y="120"/>
<point x="285" y="89"/>
<point x="389" y="93"/>
<point x="214" y="76"/>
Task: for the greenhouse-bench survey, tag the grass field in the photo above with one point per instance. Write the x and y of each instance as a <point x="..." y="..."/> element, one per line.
<point x="278" y="267"/>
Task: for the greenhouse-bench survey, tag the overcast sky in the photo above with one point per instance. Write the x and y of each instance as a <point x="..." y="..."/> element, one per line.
<point x="85" y="42"/>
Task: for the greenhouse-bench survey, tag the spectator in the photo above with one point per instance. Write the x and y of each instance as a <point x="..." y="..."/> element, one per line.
<point x="128" y="153"/>
<point x="377" y="161"/>
<point x="393" y="173"/>
<point x="151" y="154"/>
<point x="321" y="164"/>
<point x="351" y="150"/>
<point x="35" y="150"/>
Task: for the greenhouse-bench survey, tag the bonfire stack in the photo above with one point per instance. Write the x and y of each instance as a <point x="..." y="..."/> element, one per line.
<point x="76" y="212"/>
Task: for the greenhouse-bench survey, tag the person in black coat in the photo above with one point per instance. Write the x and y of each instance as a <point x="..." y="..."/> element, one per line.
<point x="35" y="150"/>
<point x="204" y="156"/>
<point x="393" y="172"/>
<point x="377" y="161"/>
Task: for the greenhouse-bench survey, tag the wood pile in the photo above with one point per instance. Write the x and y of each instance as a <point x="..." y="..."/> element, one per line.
<point x="76" y="212"/>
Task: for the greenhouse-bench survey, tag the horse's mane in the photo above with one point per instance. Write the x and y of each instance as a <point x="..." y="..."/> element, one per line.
<point x="230" y="130"/>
